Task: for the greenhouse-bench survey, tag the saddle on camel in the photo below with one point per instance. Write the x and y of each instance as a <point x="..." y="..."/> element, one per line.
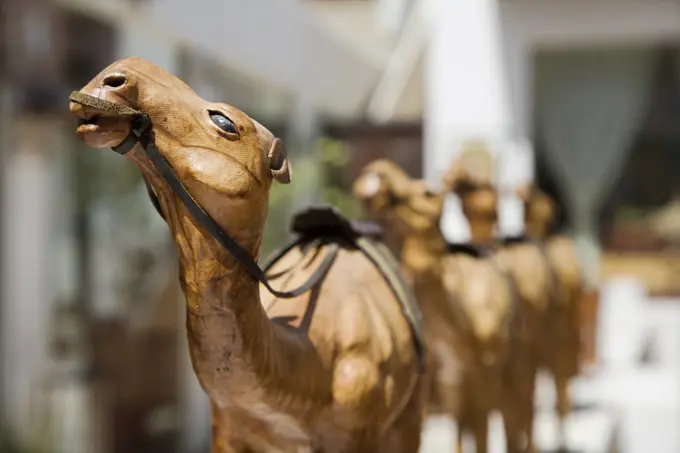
<point x="469" y="309"/>
<point x="547" y="318"/>
<point x="331" y="360"/>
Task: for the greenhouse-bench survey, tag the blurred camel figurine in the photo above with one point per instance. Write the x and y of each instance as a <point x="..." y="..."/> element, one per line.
<point x="528" y="265"/>
<point x="523" y="263"/>
<point x="332" y="368"/>
<point x="468" y="306"/>
<point x="563" y="322"/>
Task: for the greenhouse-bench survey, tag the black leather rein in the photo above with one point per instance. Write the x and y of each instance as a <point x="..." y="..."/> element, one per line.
<point x="142" y="133"/>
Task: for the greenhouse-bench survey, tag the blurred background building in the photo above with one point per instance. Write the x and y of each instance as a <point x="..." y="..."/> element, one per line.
<point x="581" y="96"/>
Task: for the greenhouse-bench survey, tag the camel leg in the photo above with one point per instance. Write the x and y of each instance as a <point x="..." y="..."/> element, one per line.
<point x="518" y="410"/>
<point x="512" y="426"/>
<point x="404" y="434"/>
<point x="462" y="429"/>
<point x="528" y="411"/>
<point x="563" y="408"/>
<point x="529" y="431"/>
<point x="461" y="438"/>
<point x="454" y="402"/>
<point x="481" y="432"/>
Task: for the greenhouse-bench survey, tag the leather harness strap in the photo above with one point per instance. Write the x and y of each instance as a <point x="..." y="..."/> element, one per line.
<point x="141" y="132"/>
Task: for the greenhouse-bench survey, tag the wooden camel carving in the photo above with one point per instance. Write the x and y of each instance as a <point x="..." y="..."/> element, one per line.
<point x="564" y="322"/>
<point x="333" y="369"/>
<point x="525" y="261"/>
<point x="466" y="302"/>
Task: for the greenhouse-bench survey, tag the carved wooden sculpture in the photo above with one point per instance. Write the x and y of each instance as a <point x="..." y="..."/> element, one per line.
<point x="524" y="263"/>
<point x="331" y="367"/>
<point x="563" y="322"/>
<point x="467" y="306"/>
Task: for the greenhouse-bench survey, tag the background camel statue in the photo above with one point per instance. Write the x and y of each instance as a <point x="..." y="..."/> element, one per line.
<point x="524" y="263"/>
<point x="467" y="306"/>
<point x="333" y="369"/>
<point x="564" y="321"/>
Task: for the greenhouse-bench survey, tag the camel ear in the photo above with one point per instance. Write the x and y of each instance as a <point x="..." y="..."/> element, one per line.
<point x="279" y="164"/>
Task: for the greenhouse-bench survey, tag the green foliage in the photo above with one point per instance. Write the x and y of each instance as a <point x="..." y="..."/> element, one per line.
<point x="334" y="157"/>
<point x="332" y="153"/>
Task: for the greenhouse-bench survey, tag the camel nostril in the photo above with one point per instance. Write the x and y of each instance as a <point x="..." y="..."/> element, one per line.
<point x="114" y="80"/>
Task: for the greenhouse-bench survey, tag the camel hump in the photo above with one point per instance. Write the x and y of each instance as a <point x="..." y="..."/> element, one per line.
<point x="322" y="225"/>
<point x="324" y="221"/>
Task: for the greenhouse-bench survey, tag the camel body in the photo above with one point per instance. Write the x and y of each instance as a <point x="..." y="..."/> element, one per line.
<point x="498" y="364"/>
<point x="349" y="404"/>
<point x="333" y="370"/>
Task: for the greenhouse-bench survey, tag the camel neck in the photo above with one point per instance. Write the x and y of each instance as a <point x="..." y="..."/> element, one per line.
<point x="226" y="324"/>
<point x="235" y="348"/>
<point x="535" y="229"/>
<point x="480" y="207"/>
<point x="423" y="251"/>
<point x="481" y="231"/>
<point x="422" y="263"/>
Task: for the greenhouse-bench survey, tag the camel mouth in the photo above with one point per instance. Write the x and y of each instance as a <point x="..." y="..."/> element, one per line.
<point x="88" y="125"/>
<point x="100" y="129"/>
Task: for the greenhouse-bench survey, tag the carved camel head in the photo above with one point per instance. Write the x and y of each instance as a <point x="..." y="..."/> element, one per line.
<point x="394" y="198"/>
<point x="478" y="198"/>
<point x="225" y="159"/>
<point x="540" y="210"/>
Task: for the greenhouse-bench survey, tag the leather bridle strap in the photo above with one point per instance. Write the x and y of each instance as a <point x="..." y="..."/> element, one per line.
<point x="142" y="133"/>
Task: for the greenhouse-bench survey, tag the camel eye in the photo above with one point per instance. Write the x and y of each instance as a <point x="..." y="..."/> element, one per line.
<point x="223" y="123"/>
